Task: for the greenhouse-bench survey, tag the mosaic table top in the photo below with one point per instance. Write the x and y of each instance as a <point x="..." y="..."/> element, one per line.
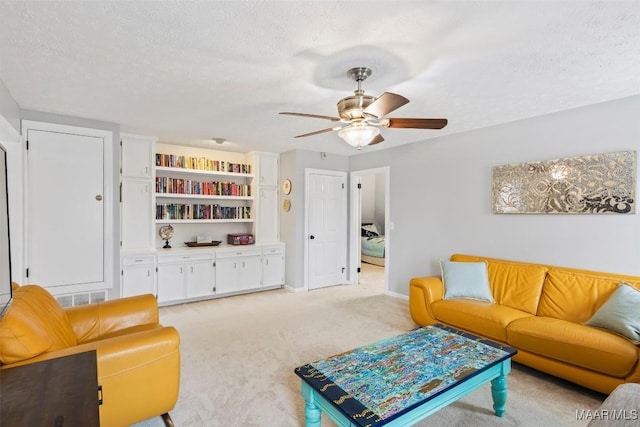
<point x="378" y="382"/>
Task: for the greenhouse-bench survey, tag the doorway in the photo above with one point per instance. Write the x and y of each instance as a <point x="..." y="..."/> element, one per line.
<point x="370" y="225"/>
<point x="325" y="228"/>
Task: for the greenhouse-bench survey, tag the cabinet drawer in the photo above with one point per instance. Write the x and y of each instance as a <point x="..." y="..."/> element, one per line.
<point x="171" y="259"/>
<point x="268" y="250"/>
<point x="138" y="260"/>
<point x="239" y="253"/>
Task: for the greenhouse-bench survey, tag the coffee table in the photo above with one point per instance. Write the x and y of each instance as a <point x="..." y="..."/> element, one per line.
<point x="401" y="380"/>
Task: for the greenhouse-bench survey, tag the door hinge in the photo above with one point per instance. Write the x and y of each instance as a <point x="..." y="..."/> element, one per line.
<point x="359" y="269"/>
<point x="359" y="186"/>
<point x="122" y="272"/>
<point x="27" y="144"/>
<point x="27" y="272"/>
<point x="343" y="185"/>
<point x="214" y="264"/>
<point x="343" y="269"/>
<point x="214" y="289"/>
<point x="100" y="399"/>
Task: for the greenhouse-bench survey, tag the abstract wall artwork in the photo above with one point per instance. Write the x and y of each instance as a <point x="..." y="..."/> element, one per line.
<point x="594" y="184"/>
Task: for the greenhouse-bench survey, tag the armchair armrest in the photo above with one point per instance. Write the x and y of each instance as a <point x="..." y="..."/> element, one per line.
<point x="424" y="291"/>
<point x="93" y="321"/>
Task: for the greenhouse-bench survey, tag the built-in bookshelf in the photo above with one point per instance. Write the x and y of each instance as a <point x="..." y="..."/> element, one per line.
<point x="184" y="183"/>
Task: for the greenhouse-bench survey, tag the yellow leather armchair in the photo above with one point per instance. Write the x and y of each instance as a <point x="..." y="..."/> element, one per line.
<point x="138" y="359"/>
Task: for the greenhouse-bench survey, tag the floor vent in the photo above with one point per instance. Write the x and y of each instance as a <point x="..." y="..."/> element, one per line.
<point x="82" y="298"/>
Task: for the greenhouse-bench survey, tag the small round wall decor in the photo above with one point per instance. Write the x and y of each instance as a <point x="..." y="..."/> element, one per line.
<point x="286" y="186"/>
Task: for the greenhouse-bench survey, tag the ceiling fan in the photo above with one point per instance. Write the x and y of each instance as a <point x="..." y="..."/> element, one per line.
<point x="362" y="115"/>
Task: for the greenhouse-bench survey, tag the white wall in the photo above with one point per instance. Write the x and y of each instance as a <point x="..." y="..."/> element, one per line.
<point x="441" y="195"/>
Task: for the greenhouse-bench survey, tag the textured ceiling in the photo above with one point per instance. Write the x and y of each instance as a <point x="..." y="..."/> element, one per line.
<point x="188" y="71"/>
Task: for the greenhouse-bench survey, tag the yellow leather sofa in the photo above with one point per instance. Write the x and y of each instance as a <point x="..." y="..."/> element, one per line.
<point x="540" y="311"/>
<point x="138" y="359"/>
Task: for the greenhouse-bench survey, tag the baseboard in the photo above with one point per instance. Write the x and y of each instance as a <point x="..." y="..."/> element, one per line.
<point x="291" y="289"/>
<point x="397" y="295"/>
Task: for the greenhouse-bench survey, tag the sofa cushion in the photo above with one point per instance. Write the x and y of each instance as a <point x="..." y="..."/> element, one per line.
<point x="465" y="280"/>
<point x="34" y="323"/>
<point x="620" y="313"/>
<point x="514" y="284"/>
<point x="573" y="343"/>
<point x="576" y="296"/>
<point x="481" y="317"/>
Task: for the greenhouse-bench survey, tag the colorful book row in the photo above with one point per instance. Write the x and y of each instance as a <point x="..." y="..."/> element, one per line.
<point x="200" y="163"/>
<point x="201" y="211"/>
<point x="168" y="185"/>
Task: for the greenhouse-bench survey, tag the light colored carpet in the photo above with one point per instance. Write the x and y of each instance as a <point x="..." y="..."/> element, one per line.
<point x="239" y="353"/>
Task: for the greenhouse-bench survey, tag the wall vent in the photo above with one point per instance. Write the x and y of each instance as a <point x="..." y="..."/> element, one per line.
<point x="83" y="298"/>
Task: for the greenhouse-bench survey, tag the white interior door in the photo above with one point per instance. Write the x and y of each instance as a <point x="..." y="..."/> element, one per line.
<point x="326" y="225"/>
<point x="65" y="205"/>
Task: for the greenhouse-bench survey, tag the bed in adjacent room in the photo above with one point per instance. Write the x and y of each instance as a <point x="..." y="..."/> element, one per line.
<point x="372" y="245"/>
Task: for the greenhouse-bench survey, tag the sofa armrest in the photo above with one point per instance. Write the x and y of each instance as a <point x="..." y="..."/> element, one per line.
<point x="424" y="291"/>
<point x="92" y="321"/>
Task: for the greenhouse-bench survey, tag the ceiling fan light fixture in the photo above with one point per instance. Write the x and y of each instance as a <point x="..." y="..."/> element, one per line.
<point x="359" y="135"/>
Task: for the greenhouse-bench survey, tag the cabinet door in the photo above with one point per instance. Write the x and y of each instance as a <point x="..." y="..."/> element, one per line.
<point x="66" y="196"/>
<point x="137" y="155"/>
<point x="250" y="272"/>
<point x="267" y="222"/>
<point x="268" y="169"/>
<point x="171" y="282"/>
<point x="227" y="275"/>
<point x="137" y="214"/>
<point x="200" y="279"/>
<point x="138" y="280"/>
<point x="273" y="269"/>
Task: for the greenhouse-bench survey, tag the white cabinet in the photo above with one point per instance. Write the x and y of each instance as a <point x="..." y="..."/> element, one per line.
<point x="273" y="265"/>
<point x="200" y="278"/>
<point x="267" y="226"/>
<point x="138" y="275"/>
<point x="137" y="206"/>
<point x="183" y="276"/>
<point x="238" y="270"/>
<point x="136" y="156"/>
<point x="267" y="223"/>
<point x="267" y="169"/>
<point x="136" y="192"/>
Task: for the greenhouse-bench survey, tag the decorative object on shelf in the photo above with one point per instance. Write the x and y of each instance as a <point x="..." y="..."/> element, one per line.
<point x="196" y="244"/>
<point x="593" y="184"/>
<point x="240" y="239"/>
<point x="166" y="232"/>
<point x="286" y="186"/>
<point x="286" y="205"/>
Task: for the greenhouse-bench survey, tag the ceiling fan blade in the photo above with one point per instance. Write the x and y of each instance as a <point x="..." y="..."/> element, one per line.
<point x="384" y="104"/>
<point x="376" y="140"/>
<point x="318" y="132"/>
<point x="315" y="116"/>
<point x="416" y="123"/>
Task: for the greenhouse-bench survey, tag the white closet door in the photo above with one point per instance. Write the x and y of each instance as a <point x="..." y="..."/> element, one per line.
<point x="65" y="209"/>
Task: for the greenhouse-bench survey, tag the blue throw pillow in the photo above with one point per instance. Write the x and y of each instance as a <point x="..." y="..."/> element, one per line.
<point x="620" y="313"/>
<point x="466" y="280"/>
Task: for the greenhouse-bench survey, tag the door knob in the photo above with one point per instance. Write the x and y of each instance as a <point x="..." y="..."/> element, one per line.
<point x="312" y="237"/>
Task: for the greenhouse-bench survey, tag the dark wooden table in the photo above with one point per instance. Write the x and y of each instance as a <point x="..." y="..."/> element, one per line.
<point x="53" y="393"/>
